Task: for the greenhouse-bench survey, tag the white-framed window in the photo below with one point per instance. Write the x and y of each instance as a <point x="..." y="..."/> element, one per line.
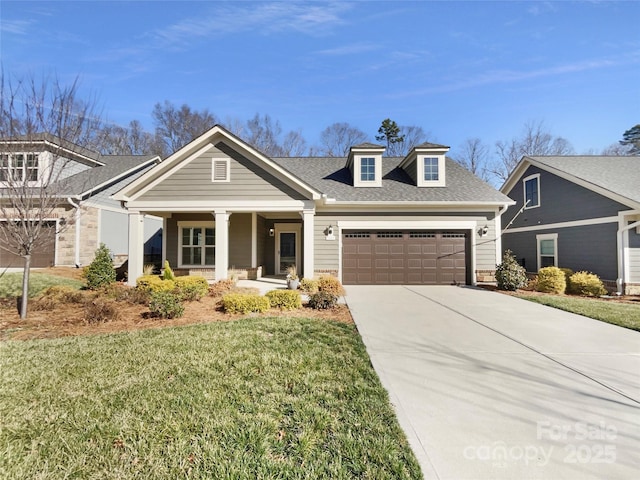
<point x="367" y="169"/>
<point x="197" y="244"/>
<point x="431" y="171"/>
<point x="547" y="250"/>
<point x="220" y="170"/>
<point x="531" y="186"/>
<point x="19" y="167"/>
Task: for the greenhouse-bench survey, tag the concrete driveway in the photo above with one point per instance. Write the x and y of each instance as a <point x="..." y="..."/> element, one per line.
<point x="489" y="386"/>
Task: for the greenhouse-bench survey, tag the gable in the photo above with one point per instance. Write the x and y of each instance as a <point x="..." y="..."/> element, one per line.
<point x="247" y="180"/>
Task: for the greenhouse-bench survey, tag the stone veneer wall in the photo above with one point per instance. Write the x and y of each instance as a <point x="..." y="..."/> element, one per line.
<point x="88" y="235"/>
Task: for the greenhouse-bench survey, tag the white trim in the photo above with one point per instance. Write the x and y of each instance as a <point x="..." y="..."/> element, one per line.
<point x="211" y="205"/>
<point x="308" y="219"/>
<point x="408" y="225"/>
<point x="55" y="247"/>
<point x="135" y="248"/>
<point x="442" y="171"/>
<point x="622" y="247"/>
<point x="547" y="236"/>
<point x="576" y="223"/>
<point x="535" y="176"/>
<point x="357" y="171"/>
<point x="194" y="224"/>
<point x="414" y="204"/>
<point x="164" y="240"/>
<point x="222" y="244"/>
<point x="286" y="228"/>
<point x="227" y="162"/>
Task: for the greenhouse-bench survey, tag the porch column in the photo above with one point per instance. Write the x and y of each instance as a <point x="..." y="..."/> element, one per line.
<point x="307" y="235"/>
<point x="254" y="240"/>
<point x="136" y="247"/>
<point x="222" y="244"/>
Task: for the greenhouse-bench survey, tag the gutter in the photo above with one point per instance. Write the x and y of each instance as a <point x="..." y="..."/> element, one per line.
<point x="77" y="224"/>
<point x="620" y="281"/>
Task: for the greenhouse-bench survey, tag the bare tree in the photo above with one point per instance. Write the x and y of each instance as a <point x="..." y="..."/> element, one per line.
<point x="132" y="140"/>
<point x="411" y="136"/>
<point x="293" y="144"/>
<point x="265" y="134"/>
<point x="177" y="127"/>
<point x="535" y="140"/>
<point x="473" y="156"/>
<point x="338" y="138"/>
<point x="616" y="149"/>
<point x="33" y="113"/>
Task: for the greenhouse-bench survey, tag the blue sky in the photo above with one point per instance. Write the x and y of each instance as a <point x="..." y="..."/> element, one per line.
<point x="457" y="69"/>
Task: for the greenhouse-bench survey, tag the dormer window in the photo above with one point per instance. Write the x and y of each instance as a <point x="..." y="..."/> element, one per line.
<point x="368" y="169"/>
<point x="365" y="164"/>
<point x="19" y="167"/>
<point x="431" y="169"/>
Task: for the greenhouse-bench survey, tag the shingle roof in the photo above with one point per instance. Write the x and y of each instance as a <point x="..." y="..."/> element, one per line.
<point x="617" y="174"/>
<point x="430" y="145"/>
<point x="330" y="176"/>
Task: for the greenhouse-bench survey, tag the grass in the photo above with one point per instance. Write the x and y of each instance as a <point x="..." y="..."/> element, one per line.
<point x="11" y="283"/>
<point x="622" y="314"/>
<point x="250" y="399"/>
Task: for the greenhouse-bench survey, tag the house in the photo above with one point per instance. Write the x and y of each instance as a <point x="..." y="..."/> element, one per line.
<point x="367" y="219"/>
<point x="577" y="212"/>
<point x="85" y="215"/>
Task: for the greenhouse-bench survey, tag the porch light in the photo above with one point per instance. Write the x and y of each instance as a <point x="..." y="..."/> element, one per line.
<point x="330" y="230"/>
<point x="272" y="232"/>
<point x="484" y="230"/>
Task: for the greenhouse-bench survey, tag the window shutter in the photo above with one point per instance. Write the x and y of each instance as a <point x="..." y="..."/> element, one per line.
<point x="220" y="171"/>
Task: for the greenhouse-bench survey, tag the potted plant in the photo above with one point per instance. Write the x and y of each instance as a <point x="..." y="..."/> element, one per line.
<point x="293" y="282"/>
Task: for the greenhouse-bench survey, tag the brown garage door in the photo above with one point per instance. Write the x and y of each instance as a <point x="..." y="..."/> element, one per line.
<point x="404" y="258"/>
<point x="42" y="257"/>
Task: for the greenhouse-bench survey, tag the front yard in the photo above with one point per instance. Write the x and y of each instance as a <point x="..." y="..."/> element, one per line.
<point x="254" y="398"/>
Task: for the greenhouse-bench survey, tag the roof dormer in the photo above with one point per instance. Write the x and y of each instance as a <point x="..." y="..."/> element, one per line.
<point x="365" y="163"/>
<point x="425" y="164"/>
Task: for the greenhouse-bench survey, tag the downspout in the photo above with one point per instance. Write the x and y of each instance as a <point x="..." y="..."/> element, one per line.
<point x="621" y="260"/>
<point x="77" y="224"/>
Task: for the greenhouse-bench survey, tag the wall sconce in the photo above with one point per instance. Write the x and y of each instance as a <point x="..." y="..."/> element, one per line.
<point x="272" y="232"/>
<point x="484" y="230"/>
<point x="330" y="230"/>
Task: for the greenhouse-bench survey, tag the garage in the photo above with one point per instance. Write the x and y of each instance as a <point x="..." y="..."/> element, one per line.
<point x="42" y="257"/>
<point x="404" y="257"/>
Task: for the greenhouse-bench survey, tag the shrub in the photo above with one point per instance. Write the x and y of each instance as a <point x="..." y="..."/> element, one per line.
<point x="221" y="287"/>
<point x="192" y="288"/>
<point x="551" y="280"/>
<point x="101" y="310"/>
<point x="148" y="269"/>
<point x="167" y="273"/>
<point x="245" y="303"/>
<point x="567" y="274"/>
<point x="100" y="271"/>
<point x="509" y="274"/>
<point x="309" y="286"/>
<point x="587" y="284"/>
<point x="124" y="293"/>
<point x="153" y="283"/>
<point x="285" y="299"/>
<point x="166" y="304"/>
<point x="322" y="300"/>
<point x="53" y="296"/>
<point x="330" y="285"/>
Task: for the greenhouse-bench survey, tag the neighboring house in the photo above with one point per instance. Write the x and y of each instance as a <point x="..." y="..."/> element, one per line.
<point x="366" y="219"/>
<point x="86" y="215"/>
<point x="581" y="212"/>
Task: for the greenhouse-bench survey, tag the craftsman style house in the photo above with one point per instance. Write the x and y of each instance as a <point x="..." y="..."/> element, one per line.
<point x="368" y="219"/>
<point x="577" y="212"/>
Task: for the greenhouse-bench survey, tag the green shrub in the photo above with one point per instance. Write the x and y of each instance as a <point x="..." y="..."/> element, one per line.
<point x="509" y="274"/>
<point x="330" y="285"/>
<point x="322" y="300"/>
<point x="153" y="283"/>
<point x="192" y="287"/>
<point x="167" y="273"/>
<point x="567" y="274"/>
<point x="64" y="294"/>
<point x="101" y="310"/>
<point x="309" y="286"/>
<point x="165" y="304"/>
<point x="551" y="280"/>
<point x="285" y="299"/>
<point x="100" y="271"/>
<point x="221" y="287"/>
<point x="586" y="284"/>
<point x="245" y="303"/>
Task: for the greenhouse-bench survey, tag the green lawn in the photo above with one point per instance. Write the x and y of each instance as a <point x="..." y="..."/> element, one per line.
<point x="256" y="398"/>
<point x="622" y="314"/>
<point x="11" y="283"/>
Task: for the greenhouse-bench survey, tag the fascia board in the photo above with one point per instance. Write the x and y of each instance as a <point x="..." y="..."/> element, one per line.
<point x="517" y="172"/>
<point x="119" y="177"/>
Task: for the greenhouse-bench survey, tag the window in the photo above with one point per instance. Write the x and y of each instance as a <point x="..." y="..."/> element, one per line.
<point x="367" y="169"/>
<point x="19" y="167"/>
<point x="547" y="250"/>
<point x="431" y="170"/>
<point x="220" y="170"/>
<point x="197" y="244"/>
<point x="532" y="191"/>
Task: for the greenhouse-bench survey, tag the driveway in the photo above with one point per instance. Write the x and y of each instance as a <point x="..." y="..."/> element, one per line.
<point x="489" y="386"/>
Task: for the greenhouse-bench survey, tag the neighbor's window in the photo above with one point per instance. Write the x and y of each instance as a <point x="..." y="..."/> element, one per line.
<point x="547" y="250"/>
<point x="532" y="191"/>
<point x="431" y="169"/>
<point x="367" y="169"/>
<point x="197" y="245"/>
<point x="19" y="167"/>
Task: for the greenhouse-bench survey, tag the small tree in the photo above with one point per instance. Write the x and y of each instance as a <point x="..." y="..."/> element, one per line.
<point x="100" y="271"/>
<point x="510" y="275"/>
<point x="389" y="132"/>
<point x="631" y="139"/>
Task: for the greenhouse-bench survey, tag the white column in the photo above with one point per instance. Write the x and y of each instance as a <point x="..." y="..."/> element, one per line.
<point x="136" y="247"/>
<point x="307" y="234"/>
<point x="222" y="244"/>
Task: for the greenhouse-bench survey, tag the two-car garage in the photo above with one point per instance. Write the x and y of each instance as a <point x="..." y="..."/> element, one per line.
<point x="375" y="257"/>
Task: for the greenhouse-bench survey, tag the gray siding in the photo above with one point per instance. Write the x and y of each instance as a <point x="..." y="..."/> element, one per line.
<point x="591" y="248"/>
<point x="560" y="201"/>
<point x="634" y="256"/>
<point x="114" y="228"/>
<point x="240" y="240"/>
<point x="412" y="171"/>
<point x="248" y="181"/>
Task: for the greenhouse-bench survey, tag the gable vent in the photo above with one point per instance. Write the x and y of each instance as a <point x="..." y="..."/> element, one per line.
<point x="220" y="170"/>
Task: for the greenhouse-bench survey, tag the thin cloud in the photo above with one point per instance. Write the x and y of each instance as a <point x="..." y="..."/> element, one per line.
<point x="352" y="49"/>
<point x="17" y="27"/>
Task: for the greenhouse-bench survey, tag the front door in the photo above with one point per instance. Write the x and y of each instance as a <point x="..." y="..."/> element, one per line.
<point x="287" y="246"/>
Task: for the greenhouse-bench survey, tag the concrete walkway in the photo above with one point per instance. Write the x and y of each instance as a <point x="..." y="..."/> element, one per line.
<point x="488" y="386"/>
